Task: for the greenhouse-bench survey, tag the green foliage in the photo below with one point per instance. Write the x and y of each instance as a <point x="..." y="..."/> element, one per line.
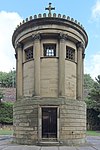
<point x="6" y="113"/>
<point x="8" y="79"/>
<point x="92" y="99"/>
<point x="90" y="103"/>
<point x="88" y="85"/>
<point x="88" y="81"/>
<point x="93" y="120"/>
<point x="94" y="94"/>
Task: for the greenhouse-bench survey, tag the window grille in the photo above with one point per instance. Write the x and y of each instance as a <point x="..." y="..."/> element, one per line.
<point x="49" y="50"/>
<point x="70" y="53"/>
<point x="29" y="53"/>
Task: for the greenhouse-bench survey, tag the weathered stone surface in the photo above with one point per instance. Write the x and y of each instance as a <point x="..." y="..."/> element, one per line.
<point x="49" y="75"/>
<point x="72" y="125"/>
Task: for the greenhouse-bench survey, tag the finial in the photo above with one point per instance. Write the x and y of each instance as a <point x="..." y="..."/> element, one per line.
<point x="50" y="8"/>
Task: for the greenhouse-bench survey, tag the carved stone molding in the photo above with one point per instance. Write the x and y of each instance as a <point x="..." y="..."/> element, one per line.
<point x="19" y="45"/>
<point x="80" y="45"/>
<point x="63" y="36"/>
<point x="36" y="36"/>
<point x="83" y="55"/>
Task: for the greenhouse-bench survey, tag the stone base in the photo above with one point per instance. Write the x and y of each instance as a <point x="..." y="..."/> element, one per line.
<point x="71" y="120"/>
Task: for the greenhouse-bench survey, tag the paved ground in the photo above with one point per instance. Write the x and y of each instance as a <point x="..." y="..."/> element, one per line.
<point x="93" y="144"/>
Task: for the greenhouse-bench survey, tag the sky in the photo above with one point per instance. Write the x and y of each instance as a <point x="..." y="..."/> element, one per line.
<point x="87" y="12"/>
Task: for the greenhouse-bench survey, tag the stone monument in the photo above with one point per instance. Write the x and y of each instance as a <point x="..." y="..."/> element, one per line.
<point x="49" y="108"/>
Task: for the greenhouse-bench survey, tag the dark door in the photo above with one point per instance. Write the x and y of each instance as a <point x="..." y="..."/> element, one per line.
<point x="49" y="122"/>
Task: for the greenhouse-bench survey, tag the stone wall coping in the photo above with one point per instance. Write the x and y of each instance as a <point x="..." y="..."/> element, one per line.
<point x="44" y="19"/>
<point x="54" y="15"/>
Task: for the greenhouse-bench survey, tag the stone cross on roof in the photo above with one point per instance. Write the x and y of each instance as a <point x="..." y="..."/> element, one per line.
<point x="50" y="8"/>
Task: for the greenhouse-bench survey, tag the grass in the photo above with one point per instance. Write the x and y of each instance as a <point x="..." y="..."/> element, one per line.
<point x="6" y="132"/>
<point x="93" y="133"/>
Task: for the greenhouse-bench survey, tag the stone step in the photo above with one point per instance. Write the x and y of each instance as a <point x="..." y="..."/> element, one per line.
<point x="49" y="143"/>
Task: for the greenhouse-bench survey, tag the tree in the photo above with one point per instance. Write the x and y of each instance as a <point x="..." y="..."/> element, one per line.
<point x="8" y="79"/>
<point x="94" y="94"/>
<point x="88" y="85"/>
<point x="88" y="82"/>
<point x="6" y="113"/>
<point x="92" y="99"/>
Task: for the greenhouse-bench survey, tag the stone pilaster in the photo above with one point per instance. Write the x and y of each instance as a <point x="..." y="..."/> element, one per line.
<point x="83" y="56"/>
<point x="80" y="70"/>
<point x="39" y="123"/>
<point x="37" y="48"/>
<point x="62" y="52"/>
<point x="19" y="68"/>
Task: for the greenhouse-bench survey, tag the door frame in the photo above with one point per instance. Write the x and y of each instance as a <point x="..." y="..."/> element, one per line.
<point x="40" y="122"/>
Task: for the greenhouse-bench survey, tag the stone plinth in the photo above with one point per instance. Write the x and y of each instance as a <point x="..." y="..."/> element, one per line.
<point x="71" y="120"/>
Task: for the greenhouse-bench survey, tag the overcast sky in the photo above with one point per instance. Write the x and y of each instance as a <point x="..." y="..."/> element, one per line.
<point x="12" y="12"/>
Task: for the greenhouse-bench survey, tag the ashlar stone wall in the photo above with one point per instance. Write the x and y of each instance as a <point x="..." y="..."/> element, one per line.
<point x="71" y="120"/>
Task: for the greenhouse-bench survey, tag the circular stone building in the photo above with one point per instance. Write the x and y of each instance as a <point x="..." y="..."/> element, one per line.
<point x="49" y="62"/>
